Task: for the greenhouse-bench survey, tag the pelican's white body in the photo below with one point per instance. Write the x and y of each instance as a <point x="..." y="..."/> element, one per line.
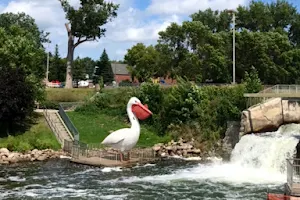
<point x="126" y="138"/>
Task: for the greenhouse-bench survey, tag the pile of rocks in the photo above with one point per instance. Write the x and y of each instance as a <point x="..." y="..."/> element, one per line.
<point x="7" y="157"/>
<point x="180" y="148"/>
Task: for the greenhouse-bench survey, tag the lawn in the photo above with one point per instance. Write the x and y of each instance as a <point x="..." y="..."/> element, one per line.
<point x="39" y="136"/>
<point x="93" y="128"/>
<point x="68" y="95"/>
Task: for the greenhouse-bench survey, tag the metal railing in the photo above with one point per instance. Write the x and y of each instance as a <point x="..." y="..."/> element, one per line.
<point x="276" y="91"/>
<point x="53" y="126"/>
<point x="80" y="149"/>
<point x="293" y="172"/>
<point x="281" y="88"/>
<point x="68" y="123"/>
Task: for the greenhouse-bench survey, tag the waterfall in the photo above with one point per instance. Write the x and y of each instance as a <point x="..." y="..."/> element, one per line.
<point x="267" y="150"/>
<point x="258" y="159"/>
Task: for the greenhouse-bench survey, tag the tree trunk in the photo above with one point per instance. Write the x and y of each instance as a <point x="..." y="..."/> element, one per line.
<point x="69" y="77"/>
<point x="97" y="87"/>
<point x="70" y="56"/>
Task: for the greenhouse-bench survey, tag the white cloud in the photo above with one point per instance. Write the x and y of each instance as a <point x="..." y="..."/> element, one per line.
<point x="190" y="6"/>
<point x="131" y="26"/>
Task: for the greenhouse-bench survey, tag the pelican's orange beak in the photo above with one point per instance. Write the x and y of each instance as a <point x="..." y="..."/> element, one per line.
<point x="141" y="111"/>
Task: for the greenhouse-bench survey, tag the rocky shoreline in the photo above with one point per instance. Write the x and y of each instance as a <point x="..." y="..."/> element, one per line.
<point x="8" y="157"/>
<point x="182" y="148"/>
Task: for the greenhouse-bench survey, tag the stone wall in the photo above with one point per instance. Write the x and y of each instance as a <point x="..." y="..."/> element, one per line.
<point x="231" y="137"/>
<point x="269" y="116"/>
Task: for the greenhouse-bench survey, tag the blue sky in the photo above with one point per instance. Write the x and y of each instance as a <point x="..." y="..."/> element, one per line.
<point x="137" y="21"/>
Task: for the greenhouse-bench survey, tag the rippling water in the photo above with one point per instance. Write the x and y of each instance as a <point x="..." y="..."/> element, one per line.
<point x="257" y="166"/>
<point x="172" y="179"/>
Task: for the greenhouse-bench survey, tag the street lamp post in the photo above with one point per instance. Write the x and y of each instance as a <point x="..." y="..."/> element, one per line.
<point x="233" y="46"/>
<point x="47" y="72"/>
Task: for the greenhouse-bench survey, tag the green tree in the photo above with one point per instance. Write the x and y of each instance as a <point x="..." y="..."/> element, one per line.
<point x="57" y="68"/>
<point x="260" y="16"/>
<point x="264" y="51"/>
<point x="79" y="70"/>
<point x="143" y="62"/>
<point x="22" y="70"/>
<point x="252" y="81"/>
<point x="89" y="66"/>
<point x="19" y="49"/>
<point x="194" y="50"/>
<point x="216" y="20"/>
<point x="85" y="24"/>
<point x="105" y="71"/>
<point x="290" y="61"/>
<point x="16" y="99"/>
<point x="25" y="22"/>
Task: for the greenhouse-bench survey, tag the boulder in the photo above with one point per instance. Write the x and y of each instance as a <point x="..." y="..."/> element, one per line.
<point x="269" y="116"/>
<point x="4" y="151"/>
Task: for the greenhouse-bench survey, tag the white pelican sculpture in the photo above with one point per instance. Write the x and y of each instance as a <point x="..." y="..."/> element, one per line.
<point x="126" y="138"/>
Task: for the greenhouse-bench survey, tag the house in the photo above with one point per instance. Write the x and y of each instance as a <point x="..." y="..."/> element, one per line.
<point x="121" y="73"/>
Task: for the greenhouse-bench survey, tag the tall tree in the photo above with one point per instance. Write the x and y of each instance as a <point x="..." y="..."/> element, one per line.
<point x="104" y="65"/>
<point x="22" y="70"/>
<point x="143" y="62"/>
<point x="216" y="20"/>
<point x="85" y="25"/>
<point x="260" y="16"/>
<point x="79" y="70"/>
<point x="25" y="22"/>
<point x="57" y="70"/>
<point x="16" y="99"/>
<point x="89" y="66"/>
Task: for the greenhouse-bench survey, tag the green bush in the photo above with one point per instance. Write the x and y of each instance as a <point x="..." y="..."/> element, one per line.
<point x="125" y="83"/>
<point x="182" y="104"/>
<point x="152" y="95"/>
<point x="184" y="110"/>
<point x="252" y="81"/>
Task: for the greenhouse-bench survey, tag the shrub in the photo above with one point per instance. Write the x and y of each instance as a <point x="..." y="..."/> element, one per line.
<point x="152" y="95"/>
<point x="184" y="110"/>
<point x="252" y="81"/>
<point x="182" y="104"/>
<point x="125" y="83"/>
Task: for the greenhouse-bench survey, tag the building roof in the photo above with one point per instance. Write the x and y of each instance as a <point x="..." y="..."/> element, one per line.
<point x="120" y="69"/>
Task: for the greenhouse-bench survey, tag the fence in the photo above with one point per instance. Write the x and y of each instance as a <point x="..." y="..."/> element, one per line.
<point x="293" y="172"/>
<point x="68" y="123"/>
<point x="80" y="149"/>
<point x="279" y="91"/>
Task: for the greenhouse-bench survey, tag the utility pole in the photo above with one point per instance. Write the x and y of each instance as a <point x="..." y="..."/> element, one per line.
<point x="233" y="48"/>
<point x="47" y="72"/>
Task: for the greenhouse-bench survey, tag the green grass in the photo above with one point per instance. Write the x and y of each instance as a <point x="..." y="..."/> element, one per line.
<point x="39" y="136"/>
<point x="94" y="127"/>
<point x="68" y="95"/>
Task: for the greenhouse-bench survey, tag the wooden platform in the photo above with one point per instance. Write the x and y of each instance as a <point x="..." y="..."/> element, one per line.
<point x="103" y="162"/>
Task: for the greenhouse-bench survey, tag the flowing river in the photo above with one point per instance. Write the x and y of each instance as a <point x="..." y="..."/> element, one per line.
<point x="257" y="165"/>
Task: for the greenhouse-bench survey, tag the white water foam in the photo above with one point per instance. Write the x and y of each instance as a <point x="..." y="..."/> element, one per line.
<point x="111" y="169"/>
<point x="256" y="159"/>
<point x="16" y="179"/>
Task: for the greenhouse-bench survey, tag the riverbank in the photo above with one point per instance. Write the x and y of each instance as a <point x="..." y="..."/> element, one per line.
<point x="11" y="157"/>
<point x="180" y="149"/>
<point x="38" y="136"/>
<point x="185" y="149"/>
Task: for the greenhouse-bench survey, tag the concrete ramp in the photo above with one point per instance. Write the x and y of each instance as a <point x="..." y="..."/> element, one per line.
<point x="57" y="126"/>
